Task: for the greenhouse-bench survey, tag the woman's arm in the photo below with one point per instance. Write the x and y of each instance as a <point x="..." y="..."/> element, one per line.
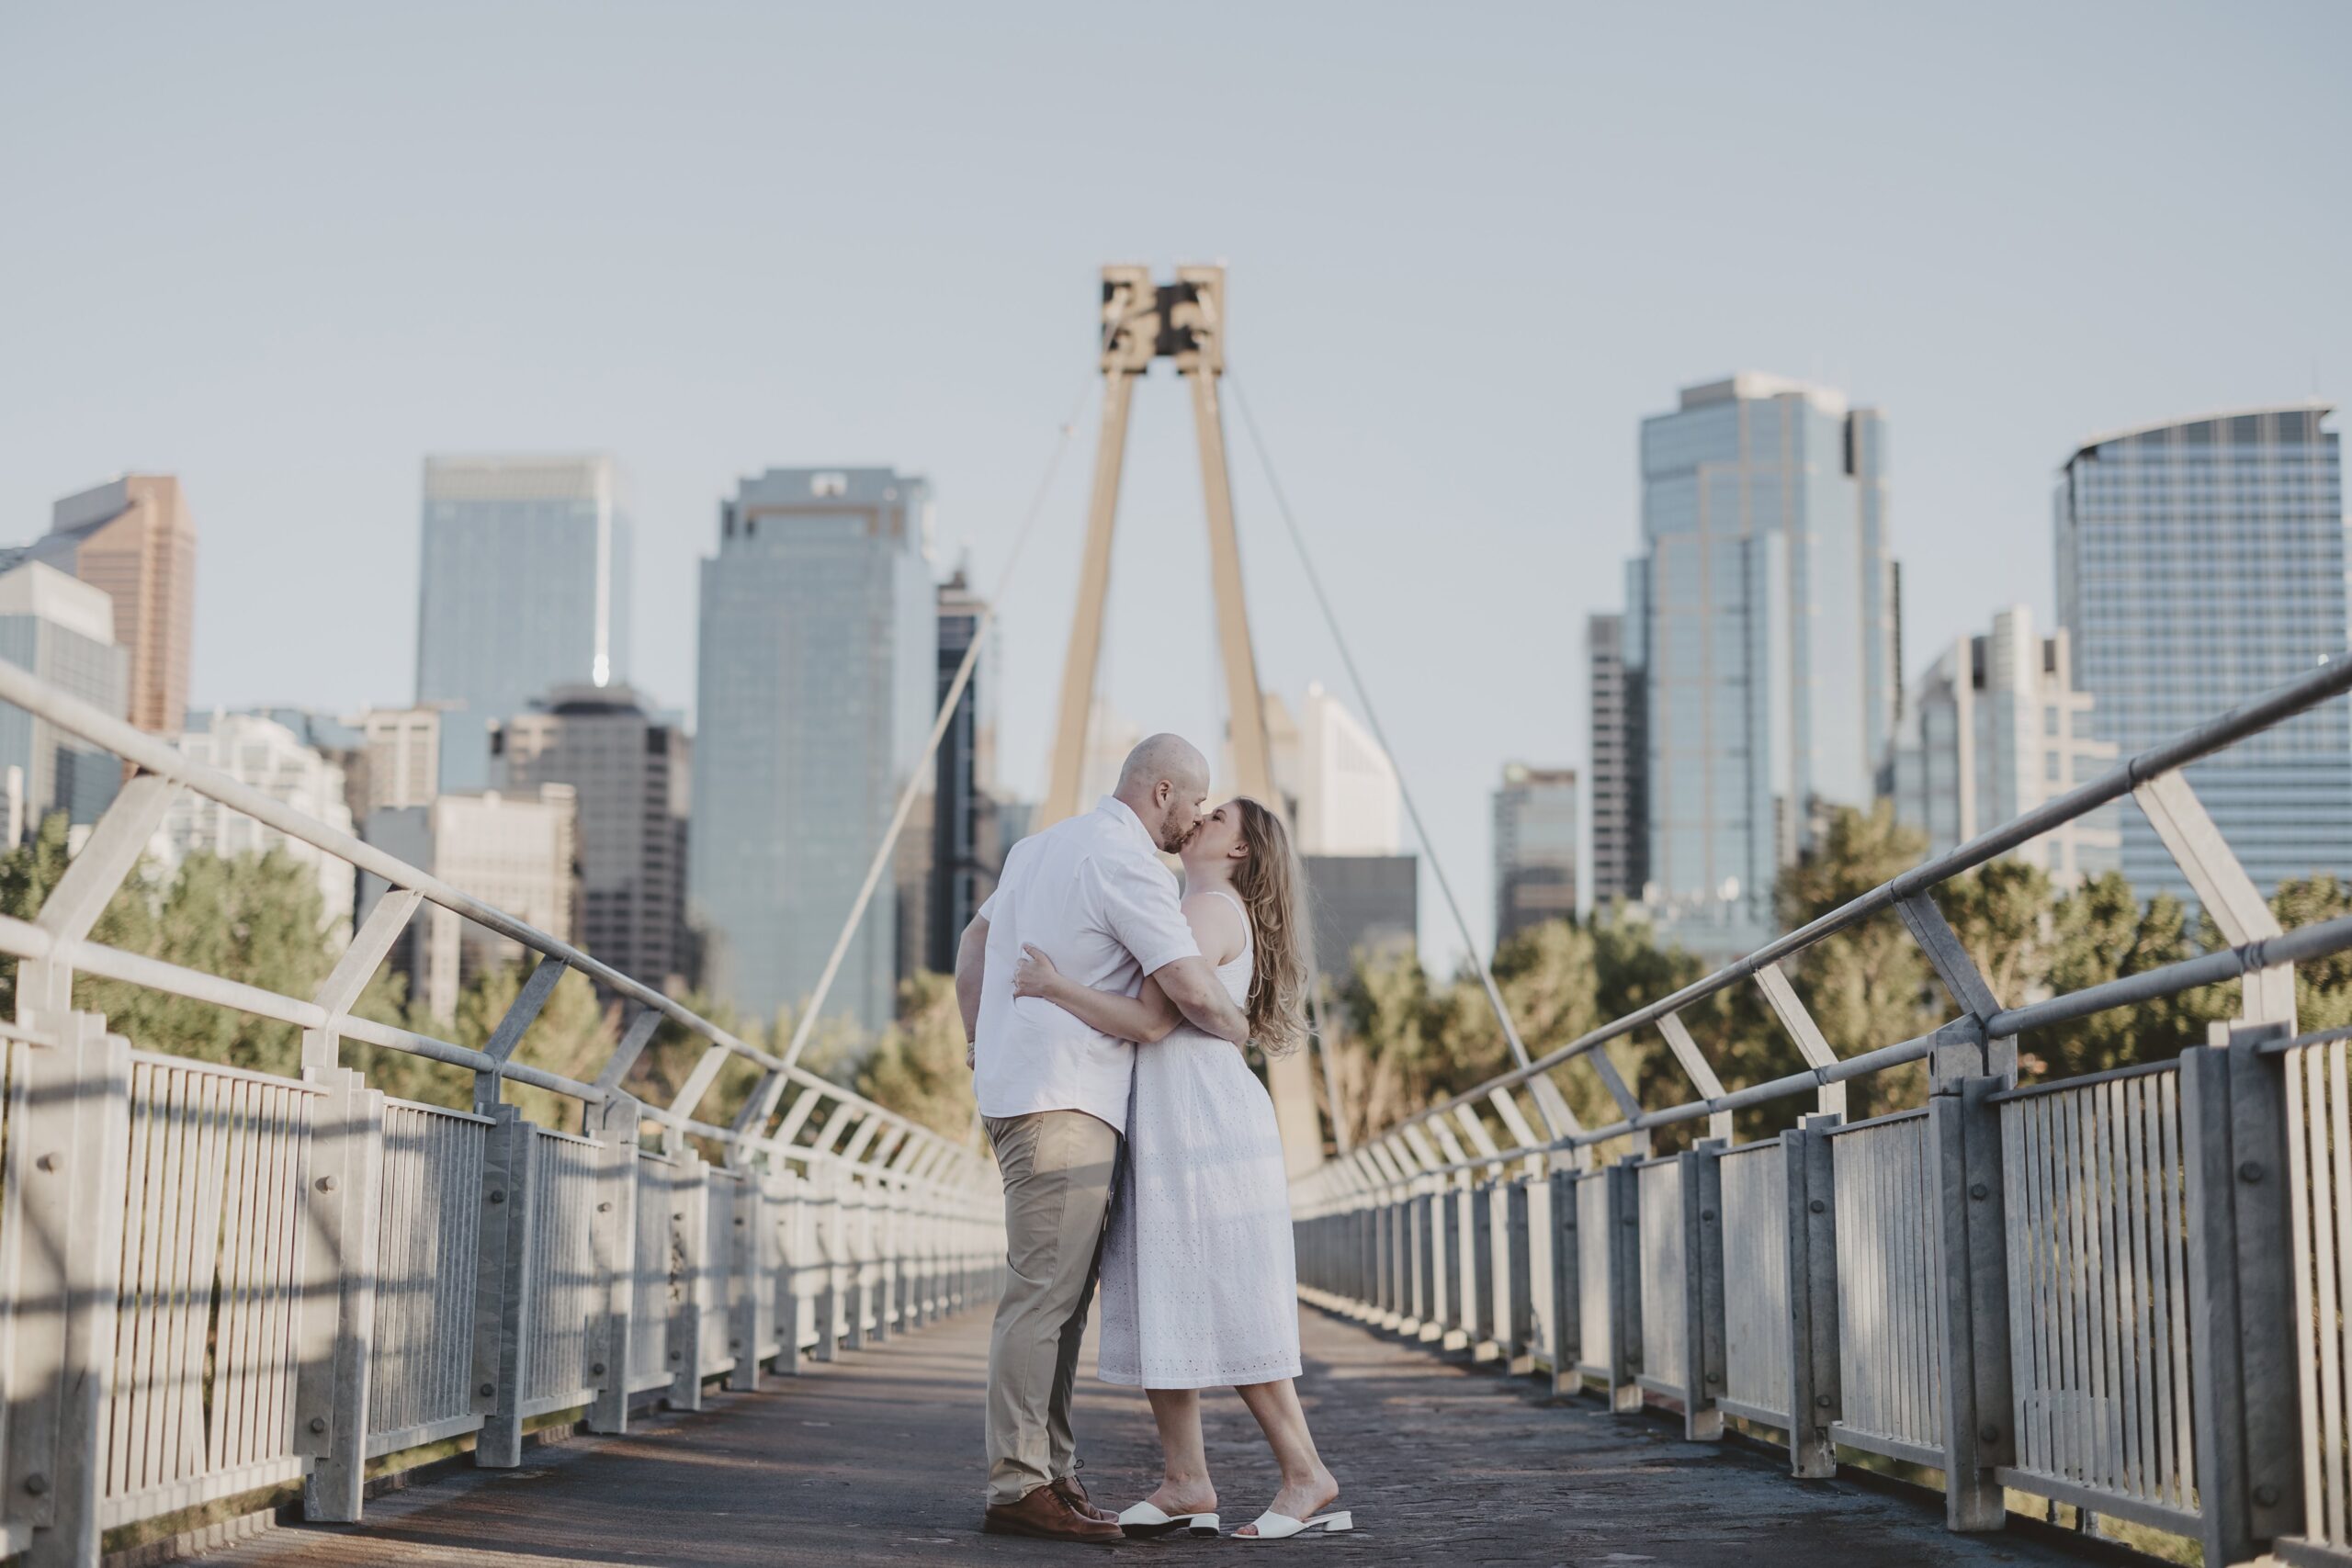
<point x="1145" y="1018"/>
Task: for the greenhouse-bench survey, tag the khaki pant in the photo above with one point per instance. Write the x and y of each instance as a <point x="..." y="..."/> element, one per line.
<point x="1057" y="1166"/>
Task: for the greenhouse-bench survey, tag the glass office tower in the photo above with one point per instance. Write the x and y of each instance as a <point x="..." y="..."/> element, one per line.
<point x="1767" y="620"/>
<point x="819" y="667"/>
<point x="2202" y="562"/>
<point x="523" y="587"/>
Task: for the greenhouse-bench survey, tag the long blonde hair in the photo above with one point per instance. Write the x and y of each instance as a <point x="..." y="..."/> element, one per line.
<point x="1267" y="879"/>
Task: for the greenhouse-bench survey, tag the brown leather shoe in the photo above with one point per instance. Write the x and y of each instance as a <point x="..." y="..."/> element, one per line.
<point x="1046" y="1514"/>
<point x="1073" y="1492"/>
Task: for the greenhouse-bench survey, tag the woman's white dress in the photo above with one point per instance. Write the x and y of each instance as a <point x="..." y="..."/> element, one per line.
<point x="1199" y="1279"/>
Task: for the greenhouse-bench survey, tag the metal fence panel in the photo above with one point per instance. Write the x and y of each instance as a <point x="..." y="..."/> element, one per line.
<point x="1755" y="1280"/>
<point x="205" y="1349"/>
<point x="566" y="1298"/>
<point x="1592" y="1270"/>
<point x="425" y="1270"/>
<point x="1659" y="1186"/>
<point x="2319" y="1147"/>
<point x="1889" y="1277"/>
<point x="648" y="1336"/>
<point x="720" y="1217"/>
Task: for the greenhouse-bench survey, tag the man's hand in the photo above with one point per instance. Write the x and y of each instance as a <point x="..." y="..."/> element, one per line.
<point x="1200" y="996"/>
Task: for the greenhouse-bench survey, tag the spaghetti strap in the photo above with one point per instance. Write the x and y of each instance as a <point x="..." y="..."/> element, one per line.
<point x="1249" y="938"/>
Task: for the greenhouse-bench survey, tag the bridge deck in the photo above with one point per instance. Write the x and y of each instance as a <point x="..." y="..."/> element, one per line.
<point x="876" y="1460"/>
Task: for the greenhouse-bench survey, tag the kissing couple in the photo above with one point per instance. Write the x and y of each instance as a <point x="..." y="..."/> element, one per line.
<point x="1107" y="1019"/>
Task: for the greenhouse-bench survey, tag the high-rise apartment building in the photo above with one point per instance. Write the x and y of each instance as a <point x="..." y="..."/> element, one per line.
<point x="819" y="660"/>
<point x="1995" y="727"/>
<point x="62" y="631"/>
<point x="1360" y="907"/>
<point x="967" y="848"/>
<point x="266" y="755"/>
<point x="1535" y="847"/>
<point x="1770" y="657"/>
<point x="1619" y="780"/>
<point x="133" y="540"/>
<point x="1347" y="797"/>
<point x="627" y="769"/>
<point x="400" y="760"/>
<point x="523" y="586"/>
<point x="2200" y="562"/>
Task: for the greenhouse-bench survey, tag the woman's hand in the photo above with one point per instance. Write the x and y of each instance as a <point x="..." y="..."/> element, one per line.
<point x="1035" y="975"/>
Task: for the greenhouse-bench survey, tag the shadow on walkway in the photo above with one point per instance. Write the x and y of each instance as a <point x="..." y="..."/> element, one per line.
<point x="876" y="1460"/>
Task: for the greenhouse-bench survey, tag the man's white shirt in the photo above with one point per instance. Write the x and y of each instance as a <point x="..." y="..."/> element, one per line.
<point x="1092" y="894"/>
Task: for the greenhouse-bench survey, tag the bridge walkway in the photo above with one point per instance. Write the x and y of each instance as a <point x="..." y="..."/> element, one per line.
<point x="874" y="1459"/>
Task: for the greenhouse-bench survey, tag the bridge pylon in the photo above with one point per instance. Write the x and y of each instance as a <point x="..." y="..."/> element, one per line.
<point x="1183" y="320"/>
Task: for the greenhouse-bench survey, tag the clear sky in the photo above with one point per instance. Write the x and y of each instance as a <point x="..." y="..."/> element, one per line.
<point x="285" y="250"/>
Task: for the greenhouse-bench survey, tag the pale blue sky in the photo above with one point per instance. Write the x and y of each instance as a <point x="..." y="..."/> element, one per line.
<point x="285" y="250"/>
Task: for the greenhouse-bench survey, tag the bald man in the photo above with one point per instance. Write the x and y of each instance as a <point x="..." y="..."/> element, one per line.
<point x="1092" y="894"/>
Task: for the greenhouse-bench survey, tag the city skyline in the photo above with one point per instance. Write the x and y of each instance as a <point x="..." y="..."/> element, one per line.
<point x="297" y="358"/>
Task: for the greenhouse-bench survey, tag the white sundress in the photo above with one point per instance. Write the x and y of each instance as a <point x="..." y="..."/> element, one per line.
<point x="1199" y="1279"/>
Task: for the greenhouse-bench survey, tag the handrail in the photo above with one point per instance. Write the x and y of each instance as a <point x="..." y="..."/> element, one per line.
<point x="2330" y="679"/>
<point x="154" y="755"/>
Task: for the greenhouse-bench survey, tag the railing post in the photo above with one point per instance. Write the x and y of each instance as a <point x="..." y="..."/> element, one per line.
<point x="1973" y="1309"/>
<point x="613" y="1250"/>
<point x="690" y="1265"/>
<point x="1567" y="1293"/>
<point x="744" y="1278"/>
<point x="785" y="1222"/>
<point x="345" y="1197"/>
<point x="825" y="1244"/>
<point x="1816" y="1402"/>
<point x="1703" y="1327"/>
<point x="61" y="1225"/>
<point x="1622" y="1188"/>
<point x="2241" y="1252"/>
<point x="504" y="1287"/>
<point x="858" y="1214"/>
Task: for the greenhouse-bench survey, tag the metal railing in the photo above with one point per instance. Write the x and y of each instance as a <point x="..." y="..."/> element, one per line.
<point x="214" y="1280"/>
<point x="2129" y="1293"/>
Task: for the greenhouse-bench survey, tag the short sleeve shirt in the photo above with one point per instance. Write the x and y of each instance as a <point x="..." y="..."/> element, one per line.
<point x="1092" y="895"/>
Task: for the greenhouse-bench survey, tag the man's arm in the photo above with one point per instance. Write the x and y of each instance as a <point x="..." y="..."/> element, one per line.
<point x="1200" y="996"/>
<point x="971" y="958"/>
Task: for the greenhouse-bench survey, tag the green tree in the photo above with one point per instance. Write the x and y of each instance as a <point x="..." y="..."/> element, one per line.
<point x="916" y="1067"/>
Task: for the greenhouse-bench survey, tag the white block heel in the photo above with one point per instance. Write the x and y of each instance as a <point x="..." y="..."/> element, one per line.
<point x="1272" y="1526"/>
<point x="1145" y="1522"/>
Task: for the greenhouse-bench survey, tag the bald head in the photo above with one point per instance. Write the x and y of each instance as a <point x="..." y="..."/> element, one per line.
<point x="1165" y="783"/>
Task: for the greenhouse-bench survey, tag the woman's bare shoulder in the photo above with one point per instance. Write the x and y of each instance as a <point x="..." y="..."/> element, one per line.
<point x="1217" y="923"/>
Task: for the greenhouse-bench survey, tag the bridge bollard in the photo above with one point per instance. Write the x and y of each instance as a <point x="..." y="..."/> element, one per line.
<point x="1564" y="1285"/>
<point x="613" y="1126"/>
<point x="1815" y="1401"/>
<point x="1703" y="1327"/>
<point x="2249" y="1445"/>
<point x="343" y="1187"/>
<point x="69" y="1133"/>
<point x="690" y="1269"/>
<point x="502" y="1288"/>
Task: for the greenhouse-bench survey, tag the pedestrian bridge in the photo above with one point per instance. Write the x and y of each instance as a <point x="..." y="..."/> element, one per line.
<point x="698" y="1333"/>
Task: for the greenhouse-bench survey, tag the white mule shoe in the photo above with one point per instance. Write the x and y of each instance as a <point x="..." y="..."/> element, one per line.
<point x="1145" y="1522"/>
<point x="1272" y="1526"/>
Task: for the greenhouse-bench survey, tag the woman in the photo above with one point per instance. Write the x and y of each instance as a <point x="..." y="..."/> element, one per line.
<point x="1199" y="1282"/>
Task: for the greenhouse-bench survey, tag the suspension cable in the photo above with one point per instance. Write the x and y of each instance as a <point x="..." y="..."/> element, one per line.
<point x="1372" y="719"/>
<point x="807" y="1022"/>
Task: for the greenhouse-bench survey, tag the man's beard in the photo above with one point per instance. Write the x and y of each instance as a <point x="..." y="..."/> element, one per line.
<point x="1173" y="843"/>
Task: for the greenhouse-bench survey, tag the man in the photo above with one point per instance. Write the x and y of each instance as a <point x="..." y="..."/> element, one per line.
<point x="1091" y="893"/>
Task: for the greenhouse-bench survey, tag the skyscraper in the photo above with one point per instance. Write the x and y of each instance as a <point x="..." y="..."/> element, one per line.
<point x="1619" y="793"/>
<point x="627" y="769"/>
<point x="271" y="757"/>
<point x="965" y="853"/>
<point x="400" y="760"/>
<point x="1347" y="800"/>
<point x="523" y="587"/>
<point x="61" y="630"/>
<point x="820" y="662"/>
<point x="1535" y="847"/>
<point x="2200" y="562"/>
<point x="1770" y="655"/>
<point x="133" y="540"/>
<point x="1995" y="728"/>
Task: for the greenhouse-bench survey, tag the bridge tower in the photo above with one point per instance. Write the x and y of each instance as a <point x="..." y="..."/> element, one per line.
<point x="1183" y="320"/>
